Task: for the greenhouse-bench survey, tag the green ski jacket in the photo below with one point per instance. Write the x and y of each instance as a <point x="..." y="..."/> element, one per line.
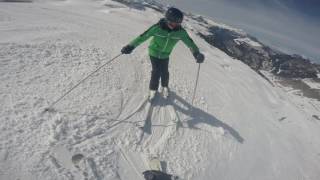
<point x="164" y="39"/>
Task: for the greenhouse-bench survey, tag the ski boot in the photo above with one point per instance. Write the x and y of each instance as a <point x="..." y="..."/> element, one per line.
<point x="165" y="92"/>
<point x="152" y="94"/>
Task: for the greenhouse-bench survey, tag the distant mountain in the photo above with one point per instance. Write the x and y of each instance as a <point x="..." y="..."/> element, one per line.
<point x="258" y="56"/>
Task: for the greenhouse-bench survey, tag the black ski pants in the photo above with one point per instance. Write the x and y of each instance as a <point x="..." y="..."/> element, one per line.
<point x="159" y="70"/>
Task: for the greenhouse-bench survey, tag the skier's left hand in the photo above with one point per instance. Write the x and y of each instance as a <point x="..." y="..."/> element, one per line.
<point x="127" y="49"/>
<point x="198" y="56"/>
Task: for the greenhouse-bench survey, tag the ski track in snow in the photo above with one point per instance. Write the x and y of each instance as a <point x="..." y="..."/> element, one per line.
<point x="239" y="127"/>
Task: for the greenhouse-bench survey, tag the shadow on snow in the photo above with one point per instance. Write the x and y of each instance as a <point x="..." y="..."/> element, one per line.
<point x="194" y="116"/>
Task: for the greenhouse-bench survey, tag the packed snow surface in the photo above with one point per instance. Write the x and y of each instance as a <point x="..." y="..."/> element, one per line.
<point x="240" y="127"/>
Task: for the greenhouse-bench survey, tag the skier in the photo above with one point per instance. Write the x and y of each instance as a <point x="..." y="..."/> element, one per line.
<point x="166" y="33"/>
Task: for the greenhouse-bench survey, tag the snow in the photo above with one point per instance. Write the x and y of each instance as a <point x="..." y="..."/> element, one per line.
<point x="311" y="83"/>
<point x="240" y="126"/>
<point x="247" y="41"/>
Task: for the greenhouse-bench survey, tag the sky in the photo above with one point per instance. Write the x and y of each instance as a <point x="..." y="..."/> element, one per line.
<point x="292" y="26"/>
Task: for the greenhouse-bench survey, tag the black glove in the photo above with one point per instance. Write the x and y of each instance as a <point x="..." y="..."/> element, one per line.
<point x="198" y="56"/>
<point x="127" y="49"/>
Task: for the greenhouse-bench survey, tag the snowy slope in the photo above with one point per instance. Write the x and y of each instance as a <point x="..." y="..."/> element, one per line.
<point x="240" y="127"/>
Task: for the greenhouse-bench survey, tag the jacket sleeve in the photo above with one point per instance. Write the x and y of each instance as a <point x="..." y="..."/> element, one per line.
<point x="189" y="42"/>
<point x="144" y="36"/>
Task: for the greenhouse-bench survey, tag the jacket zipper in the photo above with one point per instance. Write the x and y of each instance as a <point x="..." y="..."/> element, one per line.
<point x="165" y="44"/>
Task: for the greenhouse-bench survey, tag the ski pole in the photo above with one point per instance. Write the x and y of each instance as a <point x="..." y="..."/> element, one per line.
<point x="195" y="87"/>
<point x="81" y="81"/>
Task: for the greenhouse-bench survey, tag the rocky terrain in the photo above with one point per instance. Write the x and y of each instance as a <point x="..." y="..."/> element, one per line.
<point x="258" y="56"/>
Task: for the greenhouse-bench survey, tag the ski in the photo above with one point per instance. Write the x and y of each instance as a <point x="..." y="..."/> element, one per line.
<point x="155" y="174"/>
<point x="145" y="124"/>
<point x="172" y="112"/>
<point x="154" y="164"/>
<point x="156" y="171"/>
<point x="138" y="109"/>
<point x="147" y="117"/>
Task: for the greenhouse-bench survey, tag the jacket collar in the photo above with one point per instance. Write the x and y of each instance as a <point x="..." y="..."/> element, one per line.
<point x="163" y="25"/>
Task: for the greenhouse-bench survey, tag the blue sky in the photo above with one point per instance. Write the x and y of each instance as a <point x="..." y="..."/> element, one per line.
<point x="292" y="26"/>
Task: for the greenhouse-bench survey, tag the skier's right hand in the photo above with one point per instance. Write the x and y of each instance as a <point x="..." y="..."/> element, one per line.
<point x="127" y="49"/>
